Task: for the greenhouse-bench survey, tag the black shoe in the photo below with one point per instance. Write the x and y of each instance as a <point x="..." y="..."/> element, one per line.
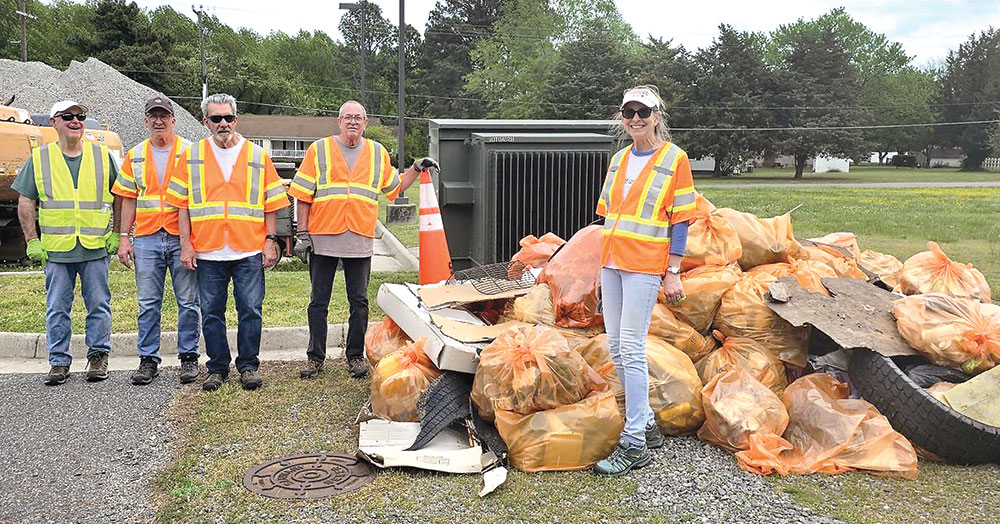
<point x="189" y="371"/>
<point x="654" y="438"/>
<point x="312" y="368"/>
<point x="623" y="459"/>
<point x="213" y="382"/>
<point x="97" y="367"/>
<point x="147" y="371"/>
<point x="357" y="367"/>
<point x="250" y="379"/>
<point x="57" y="375"/>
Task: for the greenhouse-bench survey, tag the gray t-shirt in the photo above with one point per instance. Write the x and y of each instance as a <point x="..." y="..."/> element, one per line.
<point x="347" y="244"/>
<point x="161" y="159"/>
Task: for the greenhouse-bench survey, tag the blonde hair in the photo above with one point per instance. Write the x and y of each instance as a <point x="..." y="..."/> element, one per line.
<point x="617" y="129"/>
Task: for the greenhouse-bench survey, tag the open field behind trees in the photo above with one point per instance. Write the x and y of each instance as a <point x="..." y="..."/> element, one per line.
<point x="867" y="174"/>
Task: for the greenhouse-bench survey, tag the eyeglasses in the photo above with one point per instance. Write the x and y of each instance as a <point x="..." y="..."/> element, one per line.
<point x="628" y="112"/>
<point x="159" y="118"/>
<point x="353" y="118"/>
<point x="215" y="119"/>
<point x="68" y="117"/>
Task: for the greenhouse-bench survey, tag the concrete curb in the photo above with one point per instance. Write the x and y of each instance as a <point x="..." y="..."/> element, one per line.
<point x="32" y="345"/>
<point x="399" y="251"/>
<point x="20" y="273"/>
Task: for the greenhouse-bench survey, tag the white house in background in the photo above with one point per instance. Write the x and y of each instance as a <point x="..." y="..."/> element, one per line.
<point x="827" y="164"/>
<point x="942" y="157"/>
<point x="706" y="164"/>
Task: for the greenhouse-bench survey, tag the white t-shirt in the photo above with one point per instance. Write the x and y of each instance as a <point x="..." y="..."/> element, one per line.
<point x="226" y="159"/>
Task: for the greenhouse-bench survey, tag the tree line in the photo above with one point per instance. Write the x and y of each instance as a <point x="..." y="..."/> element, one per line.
<point x="743" y="96"/>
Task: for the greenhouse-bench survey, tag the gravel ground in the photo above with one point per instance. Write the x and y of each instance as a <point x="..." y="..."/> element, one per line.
<point x="113" y="98"/>
<point x="82" y="452"/>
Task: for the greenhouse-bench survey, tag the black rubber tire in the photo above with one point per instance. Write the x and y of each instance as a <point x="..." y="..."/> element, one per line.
<point x="920" y="417"/>
<point x="444" y="402"/>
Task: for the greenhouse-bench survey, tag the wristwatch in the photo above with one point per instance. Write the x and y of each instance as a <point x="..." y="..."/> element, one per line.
<point x="272" y="237"/>
<point x="673" y="270"/>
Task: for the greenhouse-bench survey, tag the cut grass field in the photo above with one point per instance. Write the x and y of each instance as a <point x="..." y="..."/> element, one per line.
<point x="858" y="175"/>
<point x="408" y="234"/>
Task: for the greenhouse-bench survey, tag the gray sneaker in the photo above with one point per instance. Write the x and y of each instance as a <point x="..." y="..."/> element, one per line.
<point x="250" y="379"/>
<point x="623" y="459"/>
<point x="654" y="438"/>
<point x="97" y="367"/>
<point x="189" y="371"/>
<point x="311" y="369"/>
<point x="57" y="375"/>
<point x="147" y="371"/>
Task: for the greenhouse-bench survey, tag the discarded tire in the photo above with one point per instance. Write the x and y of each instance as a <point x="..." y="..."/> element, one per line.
<point x="920" y="417"/>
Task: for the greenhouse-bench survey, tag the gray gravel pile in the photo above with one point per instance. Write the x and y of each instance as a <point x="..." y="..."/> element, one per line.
<point x="113" y="98"/>
<point x="82" y="452"/>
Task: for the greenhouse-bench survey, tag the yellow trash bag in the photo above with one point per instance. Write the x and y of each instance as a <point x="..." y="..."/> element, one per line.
<point x="535" y="307"/>
<point x="764" y="240"/>
<point x="674" y="388"/>
<point x="565" y="438"/>
<point x="808" y="273"/>
<point x="703" y="290"/>
<point x="665" y="325"/>
<point x="744" y="313"/>
<point x="848" y="241"/>
<point x="595" y="351"/>
<point x="830" y="433"/>
<point x="711" y="240"/>
<point x="382" y="339"/>
<point x="399" y="380"/>
<point x="738" y="406"/>
<point x="952" y="332"/>
<point x="529" y="369"/>
<point x="746" y="354"/>
<point x="887" y="267"/>
<point x="932" y="271"/>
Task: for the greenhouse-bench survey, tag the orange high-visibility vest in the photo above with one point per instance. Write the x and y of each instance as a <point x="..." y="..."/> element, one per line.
<point x="138" y="180"/>
<point x="637" y="225"/>
<point x="344" y="200"/>
<point x="221" y="210"/>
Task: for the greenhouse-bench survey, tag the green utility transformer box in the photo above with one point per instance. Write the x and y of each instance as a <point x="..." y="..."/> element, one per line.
<point x="502" y="180"/>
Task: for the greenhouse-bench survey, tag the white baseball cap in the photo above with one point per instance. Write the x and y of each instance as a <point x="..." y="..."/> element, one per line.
<point x="64" y="105"/>
<point x="643" y="95"/>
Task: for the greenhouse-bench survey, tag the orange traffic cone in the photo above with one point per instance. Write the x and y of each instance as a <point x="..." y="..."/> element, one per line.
<point x="435" y="259"/>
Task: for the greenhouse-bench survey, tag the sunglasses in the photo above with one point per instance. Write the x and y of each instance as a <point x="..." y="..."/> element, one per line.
<point x="628" y="112"/>
<point x="215" y="119"/>
<point x="68" y="117"/>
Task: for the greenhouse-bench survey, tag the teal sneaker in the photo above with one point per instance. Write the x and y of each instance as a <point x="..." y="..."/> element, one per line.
<point x="654" y="438"/>
<point x="623" y="459"/>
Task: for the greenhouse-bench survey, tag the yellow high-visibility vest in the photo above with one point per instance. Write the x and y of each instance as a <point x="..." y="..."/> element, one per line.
<point x="67" y="213"/>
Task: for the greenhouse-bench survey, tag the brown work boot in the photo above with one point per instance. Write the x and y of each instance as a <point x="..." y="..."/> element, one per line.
<point x="357" y="367"/>
<point x="250" y="379"/>
<point x="312" y="368"/>
<point x="213" y="382"/>
<point x="57" y="375"/>
<point x="97" y="367"/>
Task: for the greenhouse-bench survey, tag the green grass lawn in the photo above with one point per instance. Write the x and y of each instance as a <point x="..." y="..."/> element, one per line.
<point x="858" y="175"/>
<point x="408" y="234"/>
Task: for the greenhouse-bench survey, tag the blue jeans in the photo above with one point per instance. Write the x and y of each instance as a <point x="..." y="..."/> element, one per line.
<point x="628" y="300"/>
<point x="247" y="275"/>
<point x="154" y="255"/>
<point x="60" y="279"/>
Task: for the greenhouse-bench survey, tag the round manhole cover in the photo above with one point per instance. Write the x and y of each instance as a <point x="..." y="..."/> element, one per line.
<point x="312" y="476"/>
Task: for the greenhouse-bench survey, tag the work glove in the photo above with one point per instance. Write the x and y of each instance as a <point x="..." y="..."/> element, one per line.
<point x="303" y="246"/>
<point x="37" y="252"/>
<point x="112" y="243"/>
<point x="422" y="164"/>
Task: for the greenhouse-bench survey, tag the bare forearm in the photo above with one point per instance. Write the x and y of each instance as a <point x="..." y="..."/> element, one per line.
<point x="675" y="260"/>
<point x="127" y="214"/>
<point x="408" y="177"/>
<point x="116" y="216"/>
<point x="302" y="215"/>
<point x="184" y="226"/>
<point x="26" y="215"/>
<point x="271" y="222"/>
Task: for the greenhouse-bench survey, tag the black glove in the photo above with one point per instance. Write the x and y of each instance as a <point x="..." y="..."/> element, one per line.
<point x="303" y="246"/>
<point x="422" y="164"/>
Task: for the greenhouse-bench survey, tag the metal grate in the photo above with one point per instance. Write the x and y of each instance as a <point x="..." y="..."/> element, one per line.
<point x="541" y="191"/>
<point x="493" y="279"/>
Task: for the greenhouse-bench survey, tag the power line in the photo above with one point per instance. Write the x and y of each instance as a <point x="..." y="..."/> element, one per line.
<point x="834" y="128"/>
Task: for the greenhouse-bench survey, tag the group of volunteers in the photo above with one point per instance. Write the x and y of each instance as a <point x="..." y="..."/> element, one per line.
<point x="205" y="211"/>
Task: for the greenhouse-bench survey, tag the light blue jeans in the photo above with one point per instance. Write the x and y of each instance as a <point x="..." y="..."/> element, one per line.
<point x="628" y="299"/>
<point x="60" y="279"/>
<point x="154" y="255"/>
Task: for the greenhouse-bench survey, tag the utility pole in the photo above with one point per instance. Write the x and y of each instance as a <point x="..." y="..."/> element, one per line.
<point x="23" y="13"/>
<point x="401" y="97"/>
<point x="360" y="6"/>
<point x="201" y="44"/>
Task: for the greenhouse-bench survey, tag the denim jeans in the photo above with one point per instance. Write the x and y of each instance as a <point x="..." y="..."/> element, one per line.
<point x="60" y="279"/>
<point x="356" y="276"/>
<point x="154" y="255"/>
<point x="628" y="300"/>
<point x="247" y="275"/>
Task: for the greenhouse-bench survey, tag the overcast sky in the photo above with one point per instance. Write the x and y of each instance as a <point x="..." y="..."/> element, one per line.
<point x="926" y="29"/>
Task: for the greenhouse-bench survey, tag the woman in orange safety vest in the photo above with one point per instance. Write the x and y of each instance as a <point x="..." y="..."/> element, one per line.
<point x="647" y="202"/>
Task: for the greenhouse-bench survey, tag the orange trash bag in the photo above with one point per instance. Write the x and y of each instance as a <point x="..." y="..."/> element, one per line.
<point x="710" y="239"/>
<point x="738" y="406"/>
<point x="535" y="252"/>
<point x="744" y="313"/>
<point x="806" y="272"/>
<point x="952" y="332"/>
<point x="382" y="339"/>
<point x="565" y="438"/>
<point x="529" y="369"/>
<point x="666" y="326"/>
<point x="887" y="267"/>
<point x="703" y="290"/>
<point x="764" y="240"/>
<point x="574" y="277"/>
<point x="830" y="433"/>
<point x="933" y="272"/>
<point x="746" y="354"/>
<point x="848" y="241"/>
<point x="842" y="265"/>
<point x="535" y="307"/>
<point x="399" y="380"/>
<point x="674" y="388"/>
<point x="595" y="351"/>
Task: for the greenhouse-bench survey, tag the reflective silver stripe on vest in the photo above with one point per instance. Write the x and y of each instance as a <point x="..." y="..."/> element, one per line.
<point x="99" y="177"/>
<point x="273" y="192"/>
<point x="365" y="193"/>
<point x="246" y="212"/>
<point x="327" y="191"/>
<point x="139" y="161"/>
<point x="128" y="184"/>
<point x="195" y="164"/>
<point x="392" y="184"/>
<point x="46" y="171"/>
<point x="256" y="166"/>
<point x="377" y="163"/>
<point x="321" y="162"/>
<point x="57" y="204"/>
<point x="176" y="187"/>
<point x="143" y="203"/>
<point x="661" y="177"/>
<point x="683" y="200"/>
<point x="609" y="180"/>
<point x="92" y="205"/>
<point x="205" y="211"/>
<point x="96" y="231"/>
<point x="58" y="230"/>
<point x="628" y="226"/>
